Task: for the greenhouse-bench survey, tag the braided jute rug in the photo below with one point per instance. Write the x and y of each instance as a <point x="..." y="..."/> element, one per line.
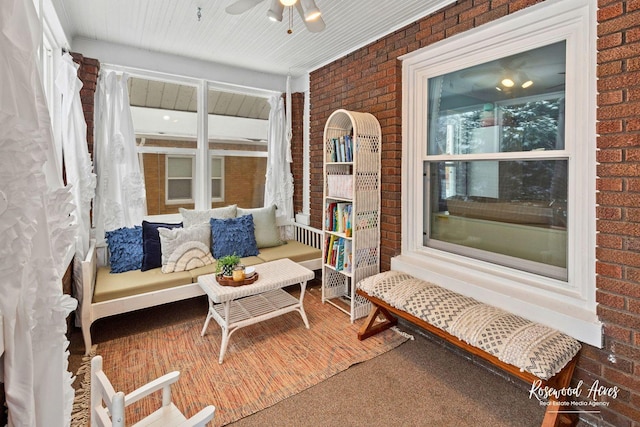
<point x="264" y="363"/>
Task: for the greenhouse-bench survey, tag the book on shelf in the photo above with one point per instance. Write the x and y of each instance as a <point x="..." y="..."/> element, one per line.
<point x="329" y="241"/>
<point x="328" y="224"/>
<point x="338" y="253"/>
<point x="346" y="262"/>
<point x="342" y="149"/>
<point x="349" y="147"/>
<point x="339" y="217"/>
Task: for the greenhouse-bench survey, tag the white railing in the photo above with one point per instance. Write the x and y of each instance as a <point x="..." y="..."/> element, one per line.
<point x="307" y="235"/>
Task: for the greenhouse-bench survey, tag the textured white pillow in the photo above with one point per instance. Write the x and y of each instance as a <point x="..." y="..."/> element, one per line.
<point x="188" y="256"/>
<point x="264" y="221"/>
<point x="192" y="217"/>
<point x="173" y="240"/>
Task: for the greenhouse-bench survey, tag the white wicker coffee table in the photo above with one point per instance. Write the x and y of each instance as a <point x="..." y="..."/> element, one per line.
<point x="235" y="307"/>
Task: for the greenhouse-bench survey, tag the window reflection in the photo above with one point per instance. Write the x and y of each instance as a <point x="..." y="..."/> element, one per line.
<point x="500" y="197"/>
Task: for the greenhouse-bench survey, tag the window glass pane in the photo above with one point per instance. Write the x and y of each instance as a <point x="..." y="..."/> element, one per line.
<point x="512" y="104"/>
<point x="216" y="168"/>
<point x="180" y="167"/>
<point x="238" y="130"/>
<point x="216" y="188"/>
<point x="179" y="189"/>
<point x="494" y="207"/>
<point x="165" y="121"/>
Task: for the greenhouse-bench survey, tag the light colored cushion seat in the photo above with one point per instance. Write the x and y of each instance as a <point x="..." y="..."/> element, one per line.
<point x="118" y="285"/>
<point x="293" y="250"/>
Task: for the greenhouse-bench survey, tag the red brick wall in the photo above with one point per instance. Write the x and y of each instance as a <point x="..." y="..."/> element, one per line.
<point x="370" y="80"/>
<point x="618" y="213"/>
<point x="88" y="74"/>
<point x="297" y="113"/>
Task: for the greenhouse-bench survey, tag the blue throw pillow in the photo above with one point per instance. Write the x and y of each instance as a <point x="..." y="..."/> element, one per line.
<point x="125" y="249"/>
<point x="233" y="236"/>
<point x="151" y="248"/>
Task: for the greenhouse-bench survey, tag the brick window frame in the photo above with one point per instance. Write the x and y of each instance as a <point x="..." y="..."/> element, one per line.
<point x="567" y="305"/>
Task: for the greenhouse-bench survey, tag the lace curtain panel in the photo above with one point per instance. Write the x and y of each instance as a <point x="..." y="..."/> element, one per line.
<point x="35" y="230"/>
<point x="78" y="165"/>
<point x="279" y="180"/>
<point x="120" y="194"/>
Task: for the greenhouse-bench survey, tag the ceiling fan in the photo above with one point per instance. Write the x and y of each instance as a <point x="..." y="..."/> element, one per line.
<point x="307" y="9"/>
<point x="507" y="71"/>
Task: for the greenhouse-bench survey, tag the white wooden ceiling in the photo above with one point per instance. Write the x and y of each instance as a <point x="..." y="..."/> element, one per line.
<point x="171" y="96"/>
<point x="249" y="40"/>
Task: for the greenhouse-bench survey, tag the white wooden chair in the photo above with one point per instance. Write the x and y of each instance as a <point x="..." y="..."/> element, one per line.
<point x="112" y="414"/>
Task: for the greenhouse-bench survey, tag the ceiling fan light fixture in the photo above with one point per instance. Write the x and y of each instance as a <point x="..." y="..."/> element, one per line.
<point x="311" y="11"/>
<point x="507" y="82"/>
<point x="288" y="2"/>
<point x="275" y="11"/>
<point x="525" y="80"/>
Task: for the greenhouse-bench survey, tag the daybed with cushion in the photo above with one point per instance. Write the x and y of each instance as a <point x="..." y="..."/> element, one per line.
<point x="160" y="262"/>
<point x="542" y="356"/>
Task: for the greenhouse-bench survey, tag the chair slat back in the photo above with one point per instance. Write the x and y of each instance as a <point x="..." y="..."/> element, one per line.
<point x="103" y="393"/>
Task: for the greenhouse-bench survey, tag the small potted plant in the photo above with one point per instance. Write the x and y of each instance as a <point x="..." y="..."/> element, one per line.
<point x="226" y="264"/>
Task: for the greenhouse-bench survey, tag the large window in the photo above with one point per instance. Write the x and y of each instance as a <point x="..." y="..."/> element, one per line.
<point x="498" y="172"/>
<point x="491" y="129"/>
<point x="195" y="138"/>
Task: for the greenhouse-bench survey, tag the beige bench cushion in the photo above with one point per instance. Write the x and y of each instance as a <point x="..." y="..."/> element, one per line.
<point x="210" y="269"/>
<point x="532" y="347"/>
<point x="294" y="250"/>
<point x="118" y="285"/>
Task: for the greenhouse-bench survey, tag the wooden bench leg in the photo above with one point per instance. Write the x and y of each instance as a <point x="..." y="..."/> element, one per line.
<point x="553" y="417"/>
<point x="371" y="327"/>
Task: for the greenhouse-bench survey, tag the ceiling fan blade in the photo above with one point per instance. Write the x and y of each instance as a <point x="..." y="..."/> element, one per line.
<point x="480" y="72"/>
<point x="314" y="26"/>
<point x="241" y="6"/>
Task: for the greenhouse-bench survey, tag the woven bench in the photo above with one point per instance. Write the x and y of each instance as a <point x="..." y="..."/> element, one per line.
<point x="535" y="353"/>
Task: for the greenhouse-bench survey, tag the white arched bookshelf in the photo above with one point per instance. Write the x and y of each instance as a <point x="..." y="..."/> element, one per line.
<point x="351" y="200"/>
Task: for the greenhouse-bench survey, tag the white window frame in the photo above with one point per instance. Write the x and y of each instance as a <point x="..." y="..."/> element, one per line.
<point x="52" y="42"/>
<point x="566" y="305"/>
<point x="202" y="185"/>
<point x="167" y="200"/>
<point x="220" y="178"/>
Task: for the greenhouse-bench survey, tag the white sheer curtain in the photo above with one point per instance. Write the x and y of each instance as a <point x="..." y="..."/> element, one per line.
<point x="77" y="161"/>
<point x="120" y="195"/>
<point x="78" y="165"/>
<point x="279" y="180"/>
<point x="35" y="227"/>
